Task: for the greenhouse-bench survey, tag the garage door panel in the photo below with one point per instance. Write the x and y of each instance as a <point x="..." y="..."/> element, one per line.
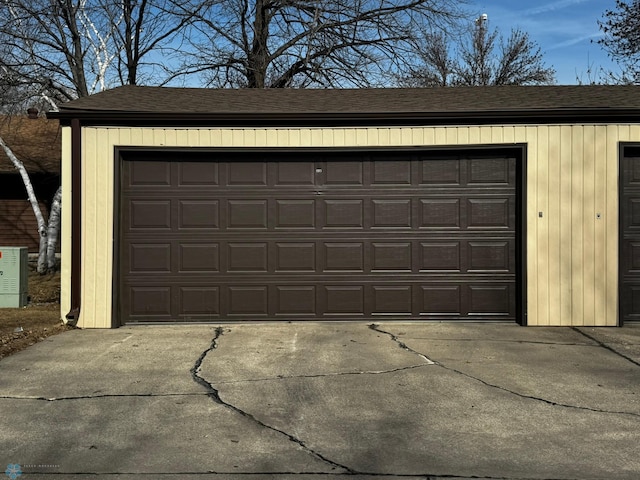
<point x="247" y="214"/>
<point x="391" y="172"/>
<point x="199" y="257"/>
<point x="391" y="300"/>
<point x="391" y="213"/>
<point x="494" y="300"/>
<point x="148" y="174"/>
<point x="343" y="213"/>
<point x="295" y="257"/>
<point x="440" y="256"/>
<point x="344" y="237"/>
<point x="440" y="172"/>
<point x="342" y="300"/>
<point x="295" y="300"/>
<point x="339" y="256"/>
<point x="248" y="300"/>
<point x="489" y="256"/>
<point x="199" y="301"/>
<point x="152" y="302"/>
<point x="630" y="303"/>
<point x="440" y="213"/>
<point x="198" y="174"/>
<point x="438" y="300"/>
<point x="148" y="214"/>
<point x="631" y="217"/>
<point x="150" y="258"/>
<point x="247" y="257"/>
<point x="391" y="257"/>
<point x="343" y="173"/>
<point x="488" y="171"/>
<point x="295" y="173"/>
<point x="200" y="214"/>
<point x="246" y="174"/>
<point x="295" y="213"/>
<point x="490" y="213"/>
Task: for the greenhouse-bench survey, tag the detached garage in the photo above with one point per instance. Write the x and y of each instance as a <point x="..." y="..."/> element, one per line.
<point x="513" y="204"/>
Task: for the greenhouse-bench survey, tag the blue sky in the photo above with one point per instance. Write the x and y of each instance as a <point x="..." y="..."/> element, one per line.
<point x="564" y="29"/>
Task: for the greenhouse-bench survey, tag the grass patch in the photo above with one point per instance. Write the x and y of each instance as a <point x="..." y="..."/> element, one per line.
<point x="23" y="327"/>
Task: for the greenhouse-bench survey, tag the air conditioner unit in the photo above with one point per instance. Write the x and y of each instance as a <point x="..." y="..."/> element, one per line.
<point x="14" y="264"/>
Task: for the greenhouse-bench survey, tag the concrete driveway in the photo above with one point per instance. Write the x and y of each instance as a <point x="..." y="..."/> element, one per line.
<point x="322" y="401"/>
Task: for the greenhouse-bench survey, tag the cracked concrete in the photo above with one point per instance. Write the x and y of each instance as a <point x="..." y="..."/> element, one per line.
<point x="325" y="400"/>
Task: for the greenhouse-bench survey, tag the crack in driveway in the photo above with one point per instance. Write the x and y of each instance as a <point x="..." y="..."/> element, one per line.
<point x="214" y="394"/>
<point x="532" y="397"/>
<point x="504" y="389"/>
<point x="186" y="474"/>
<point x="105" y="395"/>
<point x="402" y="345"/>
<point x="321" y="375"/>
<point x="606" y="347"/>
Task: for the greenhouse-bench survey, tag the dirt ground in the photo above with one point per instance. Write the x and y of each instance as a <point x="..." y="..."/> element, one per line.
<point x="23" y="327"/>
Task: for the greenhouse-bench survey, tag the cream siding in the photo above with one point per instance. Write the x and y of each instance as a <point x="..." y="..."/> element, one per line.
<point x="572" y="175"/>
<point x="65" y="244"/>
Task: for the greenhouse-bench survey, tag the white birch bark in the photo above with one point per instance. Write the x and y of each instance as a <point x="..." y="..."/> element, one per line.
<point x="54" y="229"/>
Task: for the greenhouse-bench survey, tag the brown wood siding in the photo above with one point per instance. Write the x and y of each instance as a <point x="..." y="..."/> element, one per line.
<point x="18" y="225"/>
<point x="351" y="235"/>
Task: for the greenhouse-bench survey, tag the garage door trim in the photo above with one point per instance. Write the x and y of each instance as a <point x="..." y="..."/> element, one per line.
<point x="518" y="150"/>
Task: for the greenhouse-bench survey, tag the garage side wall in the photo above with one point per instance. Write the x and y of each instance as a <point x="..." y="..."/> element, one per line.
<point x="65" y="238"/>
<point x="572" y="204"/>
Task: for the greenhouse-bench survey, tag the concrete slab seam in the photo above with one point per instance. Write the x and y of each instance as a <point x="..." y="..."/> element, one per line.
<point x="484" y="382"/>
<point x="105" y="395"/>
<point x="539" y="399"/>
<point x="214" y="394"/>
<point x="606" y="347"/>
<point x="523" y="342"/>
<point x="319" y="375"/>
<point x="281" y="474"/>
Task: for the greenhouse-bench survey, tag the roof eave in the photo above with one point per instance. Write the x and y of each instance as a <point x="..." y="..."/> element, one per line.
<point x="333" y="119"/>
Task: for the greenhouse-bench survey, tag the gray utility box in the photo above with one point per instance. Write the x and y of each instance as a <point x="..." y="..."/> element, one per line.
<point x="14" y="269"/>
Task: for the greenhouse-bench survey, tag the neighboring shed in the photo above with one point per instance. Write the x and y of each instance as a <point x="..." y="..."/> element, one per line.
<point x="36" y="142"/>
<point x="514" y="204"/>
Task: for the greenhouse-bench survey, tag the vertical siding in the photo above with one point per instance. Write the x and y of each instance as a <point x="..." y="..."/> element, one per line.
<point x="65" y="228"/>
<point x="600" y="231"/>
<point x="577" y="232"/>
<point x="538" y="246"/>
<point x="589" y="213"/>
<point x="572" y="175"/>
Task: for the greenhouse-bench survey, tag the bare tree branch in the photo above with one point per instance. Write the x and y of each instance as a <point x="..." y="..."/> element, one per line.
<point x="481" y="57"/>
<point x="285" y="43"/>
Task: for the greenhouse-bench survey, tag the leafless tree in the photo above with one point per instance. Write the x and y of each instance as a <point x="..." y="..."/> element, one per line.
<point x="48" y="230"/>
<point x="621" y="40"/>
<point x="310" y="43"/>
<point x="53" y="51"/>
<point x="481" y="57"/>
<point x="64" y="49"/>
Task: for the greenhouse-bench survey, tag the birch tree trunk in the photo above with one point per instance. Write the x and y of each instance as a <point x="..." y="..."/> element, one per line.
<point x="54" y="229"/>
<point x="42" y="225"/>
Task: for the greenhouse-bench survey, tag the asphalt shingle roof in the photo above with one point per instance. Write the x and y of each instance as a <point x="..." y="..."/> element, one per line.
<point x="432" y="103"/>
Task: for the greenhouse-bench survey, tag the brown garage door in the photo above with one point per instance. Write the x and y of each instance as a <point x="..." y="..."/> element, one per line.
<point x="208" y="236"/>
<point x="630" y="235"/>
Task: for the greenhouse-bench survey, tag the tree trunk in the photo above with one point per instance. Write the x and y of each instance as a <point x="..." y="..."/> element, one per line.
<point x="54" y="229"/>
<point x="42" y="226"/>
